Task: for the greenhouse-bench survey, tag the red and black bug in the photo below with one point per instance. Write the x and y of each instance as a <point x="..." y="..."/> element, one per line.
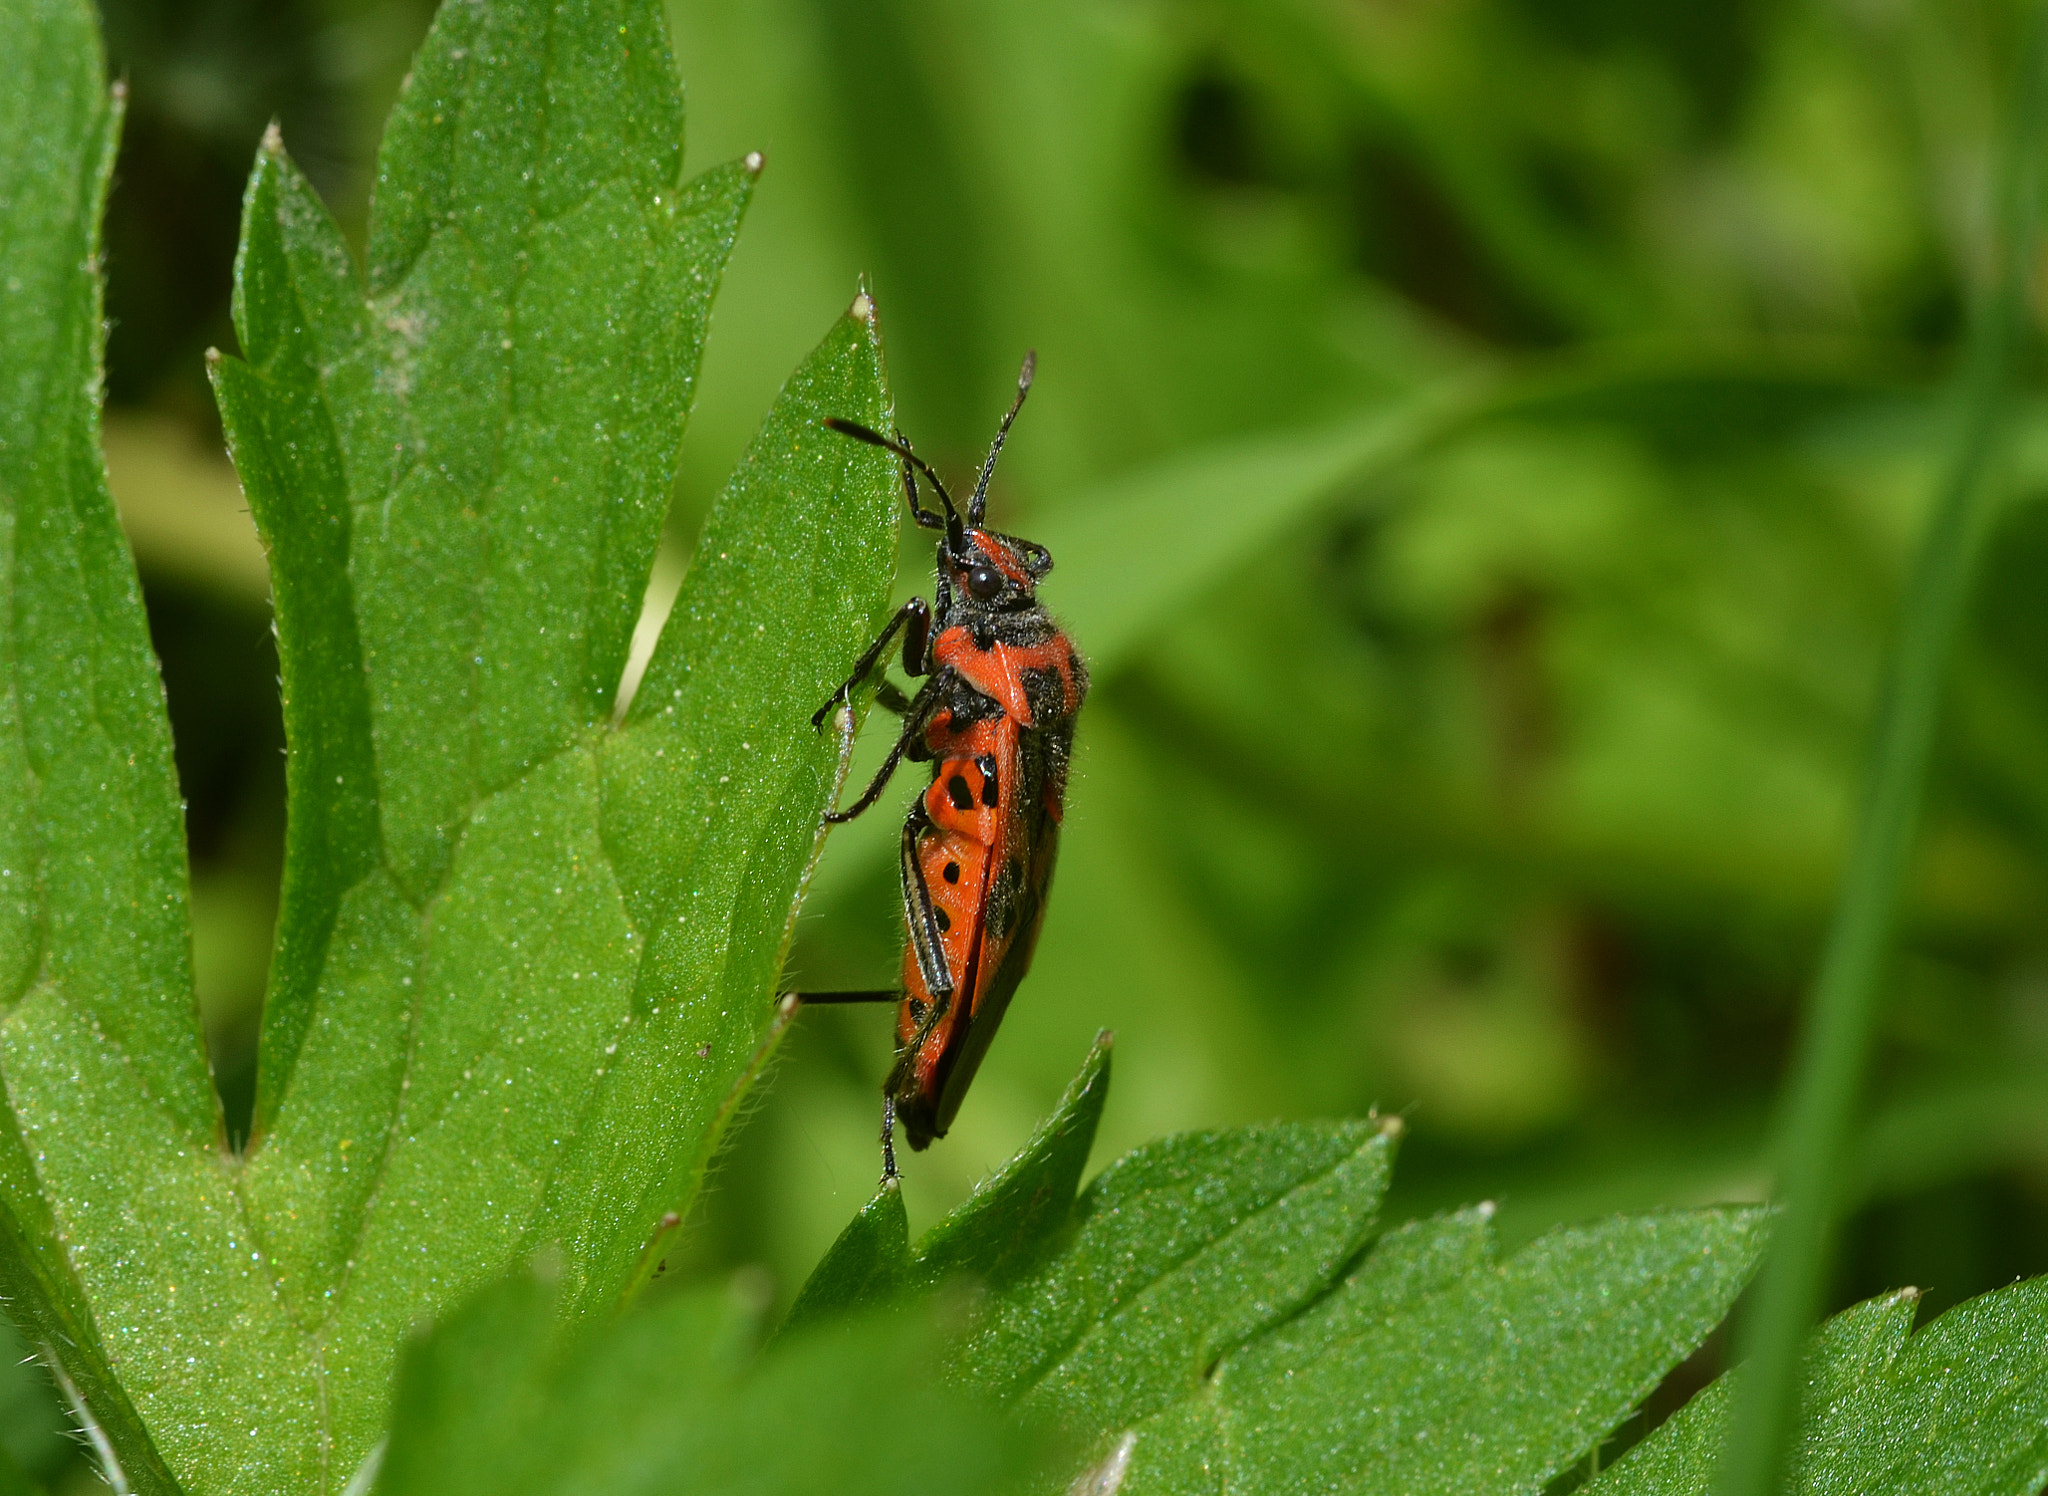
<point x="995" y="719"/>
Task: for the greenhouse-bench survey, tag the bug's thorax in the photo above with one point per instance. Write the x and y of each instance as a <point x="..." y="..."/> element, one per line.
<point x="999" y="640"/>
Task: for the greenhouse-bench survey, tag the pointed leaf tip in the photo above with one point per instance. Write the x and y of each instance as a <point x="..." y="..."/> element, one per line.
<point x="1008" y="1225"/>
<point x="864" y="1266"/>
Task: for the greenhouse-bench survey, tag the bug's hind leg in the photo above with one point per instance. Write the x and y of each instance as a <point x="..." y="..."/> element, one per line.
<point x="920" y="913"/>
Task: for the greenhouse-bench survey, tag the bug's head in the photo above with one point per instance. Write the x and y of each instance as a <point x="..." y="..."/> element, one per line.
<point x="997" y="571"/>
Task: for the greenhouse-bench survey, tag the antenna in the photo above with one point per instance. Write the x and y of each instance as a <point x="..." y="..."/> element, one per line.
<point x="978" y="505"/>
<point x="874" y="438"/>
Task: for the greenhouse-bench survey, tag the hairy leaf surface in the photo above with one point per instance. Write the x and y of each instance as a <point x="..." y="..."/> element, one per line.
<point x="109" y="1143"/>
<point x="527" y="952"/>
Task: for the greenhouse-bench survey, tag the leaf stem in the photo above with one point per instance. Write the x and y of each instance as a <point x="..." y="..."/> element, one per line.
<point x="1835" y="1042"/>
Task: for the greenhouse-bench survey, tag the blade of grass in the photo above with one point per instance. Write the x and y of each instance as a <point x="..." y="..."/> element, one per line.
<point x="1834" y="1046"/>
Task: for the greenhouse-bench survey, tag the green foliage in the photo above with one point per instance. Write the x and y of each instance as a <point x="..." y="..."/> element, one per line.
<point x="1178" y="1252"/>
<point x="1841" y="1015"/>
<point x="1214" y="1311"/>
<point x="1021" y="1210"/>
<point x="527" y="952"/>
<point x="1424" y="1361"/>
<point x="110" y="1103"/>
<point x="1513" y="1369"/>
<point x="869" y="1263"/>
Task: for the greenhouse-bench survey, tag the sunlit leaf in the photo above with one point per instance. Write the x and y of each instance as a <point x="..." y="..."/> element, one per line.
<point x="1177" y="1253"/>
<point x="1017" y="1215"/>
<point x="112" y="1134"/>
<point x="527" y="953"/>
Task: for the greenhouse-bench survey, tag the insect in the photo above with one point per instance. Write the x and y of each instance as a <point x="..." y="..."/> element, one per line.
<point x="995" y="719"/>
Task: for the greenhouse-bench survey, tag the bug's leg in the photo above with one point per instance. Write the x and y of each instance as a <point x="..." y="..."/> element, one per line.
<point x="921" y="707"/>
<point x="917" y="614"/>
<point x="901" y="1072"/>
<point x="916" y="661"/>
<point x="889" y="1139"/>
<point x="917" y="638"/>
<point x="827" y="999"/>
<point x="922" y="917"/>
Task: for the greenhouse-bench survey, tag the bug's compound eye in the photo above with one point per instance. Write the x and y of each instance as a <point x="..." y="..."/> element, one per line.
<point x="984" y="581"/>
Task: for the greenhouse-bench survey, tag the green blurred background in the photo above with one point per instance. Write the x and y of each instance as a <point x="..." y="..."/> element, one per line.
<point x="1499" y="774"/>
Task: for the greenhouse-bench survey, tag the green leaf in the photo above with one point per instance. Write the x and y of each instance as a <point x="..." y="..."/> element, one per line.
<point x="1014" y="1217"/>
<point x="1180" y="1251"/>
<point x="110" y="1102"/>
<point x="1433" y="1367"/>
<point x="1196" y="1317"/>
<point x="1498" y="1381"/>
<point x="866" y="1265"/>
<point x="1184" y="1447"/>
<point x="669" y="1400"/>
<point x="1010" y="1222"/>
<point x="527" y="955"/>
<point x="1959" y="1407"/>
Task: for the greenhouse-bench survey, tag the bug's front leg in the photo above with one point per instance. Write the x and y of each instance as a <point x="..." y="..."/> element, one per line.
<point x="914" y="718"/>
<point x="915" y="619"/>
